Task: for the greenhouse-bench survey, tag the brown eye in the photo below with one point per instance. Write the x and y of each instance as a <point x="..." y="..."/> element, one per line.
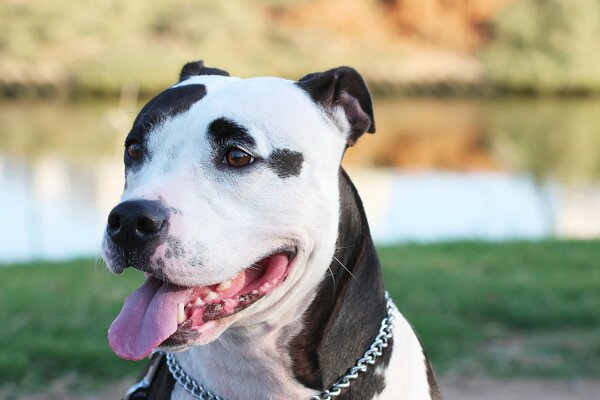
<point x="135" y="151"/>
<point x="238" y="158"/>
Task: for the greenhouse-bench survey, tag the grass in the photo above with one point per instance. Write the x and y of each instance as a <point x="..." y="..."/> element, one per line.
<point x="526" y="309"/>
<point x="513" y="309"/>
<point x="55" y="320"/>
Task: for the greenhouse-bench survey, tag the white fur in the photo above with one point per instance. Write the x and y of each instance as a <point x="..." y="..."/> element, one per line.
<point x="266" y="373"/>
<point x="406" y="374"/>
<point x="250" y="360"/>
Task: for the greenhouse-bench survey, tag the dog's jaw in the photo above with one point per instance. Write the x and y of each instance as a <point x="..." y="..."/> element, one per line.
<point x="174" y="317"/>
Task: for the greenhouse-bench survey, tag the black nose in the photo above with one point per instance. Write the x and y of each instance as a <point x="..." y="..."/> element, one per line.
<point x="134" y="222"/>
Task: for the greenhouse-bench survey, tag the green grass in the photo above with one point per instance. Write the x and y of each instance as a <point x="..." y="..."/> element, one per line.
<point x="55" y="317"/>
<point x="526" y="309"/>
<point x="511" y="309"/>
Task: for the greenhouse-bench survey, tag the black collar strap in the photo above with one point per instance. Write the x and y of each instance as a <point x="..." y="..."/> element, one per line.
<point x="156" y="383"/>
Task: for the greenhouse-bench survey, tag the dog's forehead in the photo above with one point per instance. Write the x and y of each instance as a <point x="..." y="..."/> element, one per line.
<point x="273" y="110"/>
<point x="268" y="106"/>
<point x="195" y="122"/>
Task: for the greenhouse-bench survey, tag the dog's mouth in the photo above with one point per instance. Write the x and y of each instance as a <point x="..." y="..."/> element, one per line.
<point x="162" y="313"/>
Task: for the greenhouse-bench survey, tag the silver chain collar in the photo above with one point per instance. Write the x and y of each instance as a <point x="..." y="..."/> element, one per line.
<point x="198" y="391"/>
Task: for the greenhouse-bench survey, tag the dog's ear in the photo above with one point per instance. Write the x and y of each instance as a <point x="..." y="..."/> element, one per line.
<point x="342" y="87"/>
<point x="197" y="68"/>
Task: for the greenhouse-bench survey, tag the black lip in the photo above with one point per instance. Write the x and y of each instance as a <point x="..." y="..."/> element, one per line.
<point x="181" y="336"/>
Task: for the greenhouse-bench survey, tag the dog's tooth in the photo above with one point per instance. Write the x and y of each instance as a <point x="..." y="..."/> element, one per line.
<point x="224" y="285"/>
<point x="199" y="302"/>
<point x="210" y="296"/>
<point x="180" y="313"/>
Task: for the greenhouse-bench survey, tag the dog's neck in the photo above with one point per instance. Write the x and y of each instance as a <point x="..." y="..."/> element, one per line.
<point x="345" y="315"/>
<point x="316" y="346"/>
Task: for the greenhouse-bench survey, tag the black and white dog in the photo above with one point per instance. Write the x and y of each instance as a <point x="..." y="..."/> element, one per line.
<point x="262" y="280"/>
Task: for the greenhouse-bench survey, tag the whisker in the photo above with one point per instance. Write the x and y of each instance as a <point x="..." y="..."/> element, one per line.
<point x="225" y="345"/>
<point x="343" y="266"/>
<point x="256" y="267"/>
<point x="97" y="263"/>
<point x="332" y="277"/>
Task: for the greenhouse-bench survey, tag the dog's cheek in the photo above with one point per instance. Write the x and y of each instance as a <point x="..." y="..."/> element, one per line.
<point x="170" y="259"/>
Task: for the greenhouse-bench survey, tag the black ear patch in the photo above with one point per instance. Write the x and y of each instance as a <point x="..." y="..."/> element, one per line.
<point x="345" y="88"/>
<point x="195" y="68"/>
<point x="286" y="163"/>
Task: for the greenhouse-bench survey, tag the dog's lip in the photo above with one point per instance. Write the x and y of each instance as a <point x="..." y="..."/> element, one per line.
<point x="151" y="315"/>
<point x="211" y="304"/>
<point x="289" y="252"/>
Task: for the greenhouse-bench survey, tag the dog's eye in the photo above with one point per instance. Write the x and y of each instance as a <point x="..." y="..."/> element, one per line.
<point x="135" y="152"/>
<point x="238" y="158"/>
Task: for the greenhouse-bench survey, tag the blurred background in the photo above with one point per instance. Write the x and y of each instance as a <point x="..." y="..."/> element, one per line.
<point x="482" y="183"/>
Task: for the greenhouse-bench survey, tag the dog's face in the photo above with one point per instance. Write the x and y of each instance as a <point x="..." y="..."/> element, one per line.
<point x="230" y="204"/>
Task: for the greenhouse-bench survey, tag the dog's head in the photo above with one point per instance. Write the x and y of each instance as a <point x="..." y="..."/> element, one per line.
<point x="231" y="201"/>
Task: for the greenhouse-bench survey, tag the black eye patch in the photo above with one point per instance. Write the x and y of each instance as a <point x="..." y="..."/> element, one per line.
<point x="286" y="163"/>
<point x="224" y="132"/>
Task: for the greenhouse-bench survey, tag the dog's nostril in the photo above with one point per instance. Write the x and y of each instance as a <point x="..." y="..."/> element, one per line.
<point x="114" y="221"/>
<point x="147" y="225"/>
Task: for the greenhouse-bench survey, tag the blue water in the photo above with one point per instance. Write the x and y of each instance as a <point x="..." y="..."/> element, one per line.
<point x="54" y="210"/>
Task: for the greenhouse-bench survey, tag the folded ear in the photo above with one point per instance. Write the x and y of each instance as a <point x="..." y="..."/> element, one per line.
<point x="342" y="88"/>
<point x="197" y="68"/>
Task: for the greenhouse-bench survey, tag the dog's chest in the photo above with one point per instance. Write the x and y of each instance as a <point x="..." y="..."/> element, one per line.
<point x="257" y="369"/>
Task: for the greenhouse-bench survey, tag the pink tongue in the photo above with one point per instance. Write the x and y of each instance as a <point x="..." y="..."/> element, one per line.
<point x="148" y="317"/>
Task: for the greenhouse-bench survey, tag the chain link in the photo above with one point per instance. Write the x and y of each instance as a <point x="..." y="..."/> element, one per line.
<point x="190" y="385"/>
<point x="361" y="365"/>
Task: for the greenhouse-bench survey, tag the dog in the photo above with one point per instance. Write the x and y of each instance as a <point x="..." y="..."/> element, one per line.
<point x="261" y="278"/>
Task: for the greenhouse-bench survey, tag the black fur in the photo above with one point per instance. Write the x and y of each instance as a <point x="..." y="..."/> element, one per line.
<point x="225" y="133"/>
<point x="168" y="103"/>
<point x="434" y="389"/>
<point x="344" y="317"/>
<point x="195" y="68"/>
<point x="286" y="163"/>
<point x="175" y="248"/>
<point x="343" y="87"/>
<point x="161" y="387"/>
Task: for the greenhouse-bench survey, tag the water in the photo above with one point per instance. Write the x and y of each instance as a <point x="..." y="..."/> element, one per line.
<point x="435" y="170"/>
